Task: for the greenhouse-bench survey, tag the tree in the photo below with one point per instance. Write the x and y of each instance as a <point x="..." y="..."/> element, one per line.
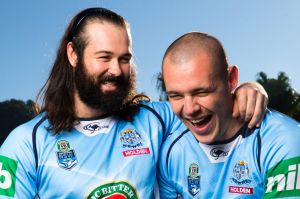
<point x="282" y="96"/>
<point x="160" y="86"/>
<point x="13" y="113"/>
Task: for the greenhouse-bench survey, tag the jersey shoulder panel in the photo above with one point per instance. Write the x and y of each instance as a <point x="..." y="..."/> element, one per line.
<point x="280" y="131"/>
<point x="280" y="135"/>
<point x="173" y="146"/>
<point x="21" y="136"/>
<point x="162" y="108"/>
<point x="168" y="162"/>
<point x="280" y="155"/>
<point x="164" y="112"/>
<point x="18" y="162"/>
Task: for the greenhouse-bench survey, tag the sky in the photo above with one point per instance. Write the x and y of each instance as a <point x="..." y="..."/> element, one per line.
<point x="257" y="36"/>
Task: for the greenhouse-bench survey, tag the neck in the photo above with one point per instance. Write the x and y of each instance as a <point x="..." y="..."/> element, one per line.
<point x="82" y="110"/>
<point x="233" y="127"/>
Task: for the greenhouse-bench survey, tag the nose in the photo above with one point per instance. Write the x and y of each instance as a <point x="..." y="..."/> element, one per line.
<point x="115" y="68"/>
<point x="191" y="106"/>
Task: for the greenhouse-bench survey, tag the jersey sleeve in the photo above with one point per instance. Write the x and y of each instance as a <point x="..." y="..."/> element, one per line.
<point x="17" y="165"/>
<point x="280" y="156"/>
<point x="167" y="189"/>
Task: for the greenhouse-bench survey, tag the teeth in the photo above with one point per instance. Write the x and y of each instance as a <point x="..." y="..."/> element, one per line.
<point x="196" y="121"/>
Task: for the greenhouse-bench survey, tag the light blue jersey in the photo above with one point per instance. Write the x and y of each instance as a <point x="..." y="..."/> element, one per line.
<point x="259" y="163"/>
<point x="99" y="158"/>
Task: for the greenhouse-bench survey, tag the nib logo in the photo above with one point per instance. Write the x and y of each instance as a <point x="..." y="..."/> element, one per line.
<point x="283" y="180"/>
<point x="8" y="169"/>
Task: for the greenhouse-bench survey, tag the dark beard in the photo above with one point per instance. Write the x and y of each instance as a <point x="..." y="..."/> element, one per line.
<point x="90" y="92"/>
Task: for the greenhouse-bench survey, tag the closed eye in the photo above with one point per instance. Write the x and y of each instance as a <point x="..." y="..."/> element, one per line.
<point x="201" y="93"/>
<point x="105" y="58"/>
<point x="174" y="96"/>
<point x="125" y="59"/>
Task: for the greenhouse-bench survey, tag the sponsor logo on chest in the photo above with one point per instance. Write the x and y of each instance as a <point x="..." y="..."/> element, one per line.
<point x="114" y="190"/>
<point x="8" y="168"/>
<point x="240" y="190"/>
<point x="283" y="180"/>
<point x="133" y="143"/>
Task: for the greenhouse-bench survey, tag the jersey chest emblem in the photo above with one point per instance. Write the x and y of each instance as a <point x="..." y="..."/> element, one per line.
<point x="114" y="190"/>
<point x="193" y="179"/>
<point x="132" y="142"/>
<point x="241" y="177"/>
<point x="66" y="156"/>
<point x="240" y="173"/>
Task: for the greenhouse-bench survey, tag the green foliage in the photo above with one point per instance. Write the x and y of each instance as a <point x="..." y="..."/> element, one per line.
<point x="160" y="86"/>
<point x="13" y="113"/>
<point x="282" y="96"/>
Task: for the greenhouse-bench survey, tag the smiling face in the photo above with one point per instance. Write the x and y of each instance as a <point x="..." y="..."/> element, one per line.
<point x="103" y="75"/>
<point x="108" y="52"/>
<point x="200" y="95"/>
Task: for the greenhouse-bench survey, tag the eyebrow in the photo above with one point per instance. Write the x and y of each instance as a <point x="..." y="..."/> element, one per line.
<point x="104" y="52"/>
<point x="110" y="53"/>
<point x="171" y="92"/>
<point x="127" y="55"/>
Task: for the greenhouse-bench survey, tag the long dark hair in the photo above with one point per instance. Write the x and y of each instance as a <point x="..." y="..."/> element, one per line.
<point x="57" y="94"/>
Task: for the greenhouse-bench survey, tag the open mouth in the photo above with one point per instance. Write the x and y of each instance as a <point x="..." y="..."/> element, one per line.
<point x="110" y="85"/>
<point x="201" y="122"/>
<point x="110" y="82"/>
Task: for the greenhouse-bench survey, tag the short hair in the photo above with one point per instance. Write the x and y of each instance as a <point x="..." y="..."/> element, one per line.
<point x="185" y="47"/>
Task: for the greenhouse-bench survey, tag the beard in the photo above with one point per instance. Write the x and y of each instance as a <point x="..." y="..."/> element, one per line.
<point x="90" y="92"/>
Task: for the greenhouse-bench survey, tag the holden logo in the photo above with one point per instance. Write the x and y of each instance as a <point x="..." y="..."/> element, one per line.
<point x="218" y="152"/>
<point x="92" y="127"/>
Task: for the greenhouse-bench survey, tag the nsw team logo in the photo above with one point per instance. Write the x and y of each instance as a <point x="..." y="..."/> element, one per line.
<point x="193" y="179"/>
<point x="66" y="156"/>
<point x="132" y="140"/>
<point x="241" y="176"/>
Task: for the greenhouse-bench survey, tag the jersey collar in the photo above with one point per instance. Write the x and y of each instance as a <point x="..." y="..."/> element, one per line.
<point x="95" y="126"/>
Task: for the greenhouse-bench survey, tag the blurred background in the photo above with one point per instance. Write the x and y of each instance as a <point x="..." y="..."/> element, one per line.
<point x="260" y="37"/>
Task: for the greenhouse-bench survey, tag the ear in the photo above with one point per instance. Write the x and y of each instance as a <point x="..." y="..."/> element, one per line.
<point x="72" y="56"/>
<point x="233" y="74"/>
